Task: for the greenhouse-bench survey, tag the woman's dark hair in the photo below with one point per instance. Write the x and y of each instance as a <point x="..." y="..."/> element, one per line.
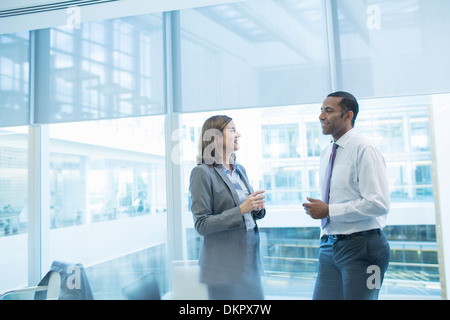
<point x="210" y="144"/>
<point x="348" y="103"/>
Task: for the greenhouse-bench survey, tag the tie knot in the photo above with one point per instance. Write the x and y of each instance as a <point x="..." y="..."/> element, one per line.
<point x="335" y="146"/>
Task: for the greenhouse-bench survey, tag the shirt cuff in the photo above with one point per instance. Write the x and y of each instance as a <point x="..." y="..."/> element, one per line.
<point x="336" y="212"/>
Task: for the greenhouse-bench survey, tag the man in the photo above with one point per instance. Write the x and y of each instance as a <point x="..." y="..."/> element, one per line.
<point x="354" y="252"/>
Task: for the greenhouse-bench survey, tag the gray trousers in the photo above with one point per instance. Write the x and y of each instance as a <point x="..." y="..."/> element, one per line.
<point x="352" y="267"/>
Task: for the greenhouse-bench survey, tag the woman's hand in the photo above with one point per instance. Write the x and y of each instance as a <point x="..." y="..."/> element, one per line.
<point x="255" y="201"/>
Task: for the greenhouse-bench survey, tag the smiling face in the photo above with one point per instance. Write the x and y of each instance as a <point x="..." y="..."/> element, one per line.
<point x="334" y="119"/>
<point x="230" y="138"/>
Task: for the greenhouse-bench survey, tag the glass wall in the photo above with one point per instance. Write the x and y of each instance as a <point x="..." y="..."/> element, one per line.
<point x="279" y="148"/>
<point x="377" y="49"/>
<point x="13" y="207"/>
<point x="14" y="78"/>
<point x="101" y="70"/>
<point x="253" y="53"/>
<point x="107" y="204"/>
<point x="14" y="111"/>
<point x="101" y="87"/>
<point x="390" y="48"/>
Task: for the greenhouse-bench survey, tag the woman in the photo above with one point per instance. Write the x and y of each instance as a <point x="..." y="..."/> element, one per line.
<point x="225" y="209"/>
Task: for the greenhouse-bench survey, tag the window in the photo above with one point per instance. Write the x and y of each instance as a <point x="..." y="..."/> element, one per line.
<point x="289" y="238"/>
<point x="14" y="78"/>
<point x="13" y="207"/>
<point x="108" y="206"/>
<point x="267" y="63"/>
<point x="280" y="141"/>
<point x="104" y="69"/>
<point x="253" y="53"/>
<point x="420" y="140"/>
<point x="423" y="180"/>
<point x="391" y="48"/>
<point x="313" y="139"/>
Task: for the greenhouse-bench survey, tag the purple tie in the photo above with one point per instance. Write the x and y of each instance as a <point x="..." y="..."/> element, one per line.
<point x="326" y="195"/>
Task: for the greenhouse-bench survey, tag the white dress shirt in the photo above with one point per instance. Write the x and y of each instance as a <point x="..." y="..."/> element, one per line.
<point x="359" y="189"/>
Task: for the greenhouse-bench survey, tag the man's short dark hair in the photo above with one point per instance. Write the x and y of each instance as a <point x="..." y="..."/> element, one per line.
<point x="348" y="103"/>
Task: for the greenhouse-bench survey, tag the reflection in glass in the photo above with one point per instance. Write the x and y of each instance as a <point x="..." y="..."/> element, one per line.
<point x="392" y="48"/>
<point x="13" y="207"/>
<point x="14" y="78"/>
<point x="253" y="54"/>
<point x="105" y="69"/>
<point x="13" y="180"/>
<point x="98" y="179"/>
<point x="107" y="204"/>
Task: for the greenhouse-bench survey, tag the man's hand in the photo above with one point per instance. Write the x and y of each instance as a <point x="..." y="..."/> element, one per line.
<point x="317" y="209"/>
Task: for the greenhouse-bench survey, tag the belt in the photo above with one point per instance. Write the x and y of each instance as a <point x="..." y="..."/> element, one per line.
<point x="349" y="236"/>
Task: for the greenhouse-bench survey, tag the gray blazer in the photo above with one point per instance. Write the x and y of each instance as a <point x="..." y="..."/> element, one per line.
<point x="218" y="218"/>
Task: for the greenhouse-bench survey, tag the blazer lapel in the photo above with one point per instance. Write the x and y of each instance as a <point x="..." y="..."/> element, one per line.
<point x="227" y="181"/>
